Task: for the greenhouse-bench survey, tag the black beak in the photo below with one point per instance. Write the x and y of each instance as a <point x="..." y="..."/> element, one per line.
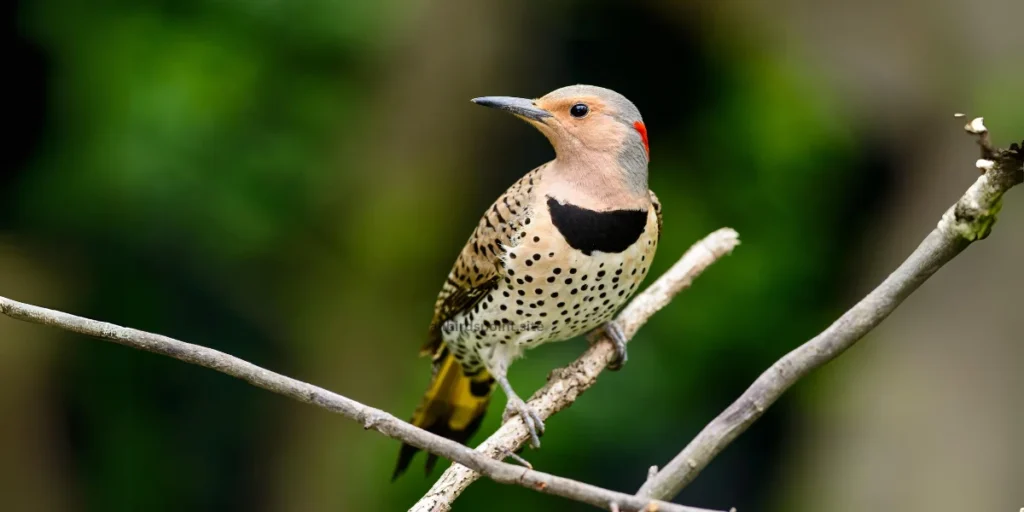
<point x="521" y="107"/>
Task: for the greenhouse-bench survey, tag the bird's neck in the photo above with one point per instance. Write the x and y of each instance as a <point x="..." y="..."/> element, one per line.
<point x="601" y="181"/>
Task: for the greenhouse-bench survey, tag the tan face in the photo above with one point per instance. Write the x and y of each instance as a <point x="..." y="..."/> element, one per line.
<point x="580" y="122"/>
<point x="584" y="123"/>
<point x="599" y="138"/>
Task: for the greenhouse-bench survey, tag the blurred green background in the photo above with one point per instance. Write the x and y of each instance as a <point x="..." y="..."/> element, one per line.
<point x="290" y="182"/>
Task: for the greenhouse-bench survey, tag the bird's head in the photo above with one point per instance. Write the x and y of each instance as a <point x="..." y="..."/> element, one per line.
<point x="587" y="126"/>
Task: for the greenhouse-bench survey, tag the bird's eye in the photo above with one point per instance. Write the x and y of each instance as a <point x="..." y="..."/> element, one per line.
<point x="578" y="110"/>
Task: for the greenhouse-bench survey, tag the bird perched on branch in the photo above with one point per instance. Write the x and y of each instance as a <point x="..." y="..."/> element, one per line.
<point x="554" y="257"/>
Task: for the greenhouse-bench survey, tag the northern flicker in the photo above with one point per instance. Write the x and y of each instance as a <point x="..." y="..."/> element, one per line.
<point x="554" y="257"/>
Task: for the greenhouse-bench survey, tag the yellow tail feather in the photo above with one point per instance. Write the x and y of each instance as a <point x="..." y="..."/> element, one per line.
<point x="453" y="406"/>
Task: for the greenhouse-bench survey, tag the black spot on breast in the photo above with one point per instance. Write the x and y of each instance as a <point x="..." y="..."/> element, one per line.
<point x="588" y="230"/>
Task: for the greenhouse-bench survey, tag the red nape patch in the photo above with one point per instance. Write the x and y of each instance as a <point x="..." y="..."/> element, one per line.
<point x="643" y="135"/>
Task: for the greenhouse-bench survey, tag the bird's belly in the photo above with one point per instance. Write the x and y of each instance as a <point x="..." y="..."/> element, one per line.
<point x="551" y="292"/>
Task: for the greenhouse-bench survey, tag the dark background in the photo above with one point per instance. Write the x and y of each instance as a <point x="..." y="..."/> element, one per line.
<point x="289" y="182"/>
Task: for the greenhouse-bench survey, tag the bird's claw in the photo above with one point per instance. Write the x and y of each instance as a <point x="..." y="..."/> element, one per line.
<point x="531" y="419"/>
<point x="618" y="338"/>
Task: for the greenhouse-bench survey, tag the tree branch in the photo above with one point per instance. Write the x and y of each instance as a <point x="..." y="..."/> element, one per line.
<point x="680" y="276"/>
<point x="566" y="384"/>
<point x="969" y="220"/>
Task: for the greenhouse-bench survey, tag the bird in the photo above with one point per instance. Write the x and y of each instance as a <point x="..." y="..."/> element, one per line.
<point x="555" y="256"/>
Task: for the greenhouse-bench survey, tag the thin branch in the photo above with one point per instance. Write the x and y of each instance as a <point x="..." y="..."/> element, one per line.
<point x="566" y="384"/>
<point x="970" y="219"/>
<point x="381" y="421"/>
<point x="369" y="417"/>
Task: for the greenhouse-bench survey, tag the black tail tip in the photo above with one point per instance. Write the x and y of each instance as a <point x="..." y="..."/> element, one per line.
<point x="405" y="458"/>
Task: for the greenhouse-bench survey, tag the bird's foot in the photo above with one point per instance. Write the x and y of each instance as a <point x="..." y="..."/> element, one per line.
<point x="533" y="421"/>
<point x="614" y="333"/>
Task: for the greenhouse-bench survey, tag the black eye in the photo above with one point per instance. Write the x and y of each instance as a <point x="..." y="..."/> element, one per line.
<point x="579" y="110"/>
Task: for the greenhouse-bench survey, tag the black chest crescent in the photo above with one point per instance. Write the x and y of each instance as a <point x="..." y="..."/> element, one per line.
<point x="588" y="230"/>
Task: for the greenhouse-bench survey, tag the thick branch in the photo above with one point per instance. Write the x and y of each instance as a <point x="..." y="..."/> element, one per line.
<point x="382" y="421"/>
<point x="566" y="384"/>
<point x="970" y="219"/>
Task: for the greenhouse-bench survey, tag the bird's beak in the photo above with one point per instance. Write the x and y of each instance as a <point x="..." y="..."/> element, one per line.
<point x="521" y="107"/>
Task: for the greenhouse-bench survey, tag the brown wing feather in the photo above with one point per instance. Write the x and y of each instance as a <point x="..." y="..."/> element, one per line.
<point x="478" y="268"/>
